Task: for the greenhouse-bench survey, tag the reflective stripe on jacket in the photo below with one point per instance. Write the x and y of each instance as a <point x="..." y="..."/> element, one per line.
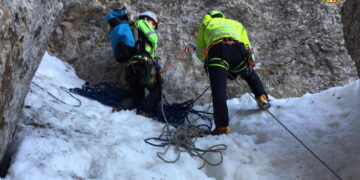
<point x="150" y="35"/>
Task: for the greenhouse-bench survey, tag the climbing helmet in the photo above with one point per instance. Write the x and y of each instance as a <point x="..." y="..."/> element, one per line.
<point x="150" y="15"/>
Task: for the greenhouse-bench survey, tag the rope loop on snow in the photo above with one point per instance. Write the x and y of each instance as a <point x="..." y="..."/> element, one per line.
<point x="64" y="89"/>
<point x="290" y="132"/>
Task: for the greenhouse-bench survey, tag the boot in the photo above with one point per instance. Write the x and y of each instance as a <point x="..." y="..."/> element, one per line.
<point x="263" y="101"/>
<point x="221" y="130"/>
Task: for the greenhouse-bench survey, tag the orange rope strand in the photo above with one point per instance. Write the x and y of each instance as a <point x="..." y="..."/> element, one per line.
<point x="187" y="48"/>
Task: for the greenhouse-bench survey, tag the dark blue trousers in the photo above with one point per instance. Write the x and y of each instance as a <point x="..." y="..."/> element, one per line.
<point x="234" y="55"/>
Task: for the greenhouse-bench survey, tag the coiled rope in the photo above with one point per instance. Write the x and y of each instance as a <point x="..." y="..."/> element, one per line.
<point x="290" y="132"/>
<point x="183" y="137"/>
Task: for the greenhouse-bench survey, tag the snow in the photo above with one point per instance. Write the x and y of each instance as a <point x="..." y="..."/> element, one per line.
<point x="59" y="141"/>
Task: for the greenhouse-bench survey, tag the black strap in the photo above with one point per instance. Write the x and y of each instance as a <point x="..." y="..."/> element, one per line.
<point x="141" y="40"/>
<point x="206" y="64"/>
<point x="118" y="20"/>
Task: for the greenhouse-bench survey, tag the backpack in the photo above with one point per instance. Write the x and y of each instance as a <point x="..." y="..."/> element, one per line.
<point x="121" y="36"/>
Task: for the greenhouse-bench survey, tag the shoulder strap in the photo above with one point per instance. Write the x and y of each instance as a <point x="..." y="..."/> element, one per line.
<point x="139" y="38"/>
<point x="135" y="32"/>
<point x="136" y="36"/>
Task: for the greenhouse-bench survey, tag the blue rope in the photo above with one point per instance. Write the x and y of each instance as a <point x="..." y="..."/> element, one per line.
<point x="102" y="92"/>
<point x="110" y="95"/>
<point x="177" y="113"/>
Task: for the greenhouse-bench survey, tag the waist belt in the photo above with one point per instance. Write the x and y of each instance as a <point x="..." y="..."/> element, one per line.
<point x="224" y="41"/>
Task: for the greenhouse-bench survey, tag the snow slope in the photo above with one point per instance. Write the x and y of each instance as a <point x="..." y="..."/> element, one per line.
<point x="59" y="141"/>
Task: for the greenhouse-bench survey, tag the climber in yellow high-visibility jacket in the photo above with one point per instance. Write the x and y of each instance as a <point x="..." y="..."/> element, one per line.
<point x="223" y="45"/>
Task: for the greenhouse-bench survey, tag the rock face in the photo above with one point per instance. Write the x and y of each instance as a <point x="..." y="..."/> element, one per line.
<point x="351" y="21"/>
<point x="299" y="45"/>
<point x="25" y="27"/>
<point x="81" y="39"/>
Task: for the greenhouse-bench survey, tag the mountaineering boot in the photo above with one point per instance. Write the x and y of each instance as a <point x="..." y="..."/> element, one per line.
<point x="263" y="101"/>
<point x="221" y="130"/>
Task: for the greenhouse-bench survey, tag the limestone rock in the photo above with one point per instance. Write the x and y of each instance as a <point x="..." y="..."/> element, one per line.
<point x="25" y="27"/>
<point x="351" y="21"/>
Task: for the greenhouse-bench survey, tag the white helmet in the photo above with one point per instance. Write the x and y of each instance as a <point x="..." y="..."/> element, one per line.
<point x="150" y="15"/>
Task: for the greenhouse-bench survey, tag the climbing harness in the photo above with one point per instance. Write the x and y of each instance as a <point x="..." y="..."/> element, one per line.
<point x="148" y="77"/>
<point x="64" y="89"/>
<point x="289" y="131"/>
<point x="183" y="137"/>
<point x="219" y="62"/>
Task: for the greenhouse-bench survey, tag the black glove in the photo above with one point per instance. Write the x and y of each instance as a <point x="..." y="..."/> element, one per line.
<point x="157" y="59"/>
<point x="192" y="46"/>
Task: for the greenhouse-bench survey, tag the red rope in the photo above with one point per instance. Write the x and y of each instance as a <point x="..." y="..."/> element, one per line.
<point x="187" y="48"/>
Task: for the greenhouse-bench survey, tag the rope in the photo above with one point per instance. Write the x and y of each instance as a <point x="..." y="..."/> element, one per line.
<point x="292" y="134"/>
<point x="64" y="89"/>
<point x="187" y="48"/>
<point x="183" y="137"/>
<point x="105" y="93"/>
<point x="176" y="113"/>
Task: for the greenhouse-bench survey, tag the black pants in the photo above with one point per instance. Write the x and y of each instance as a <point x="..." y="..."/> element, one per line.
<point x="234" y="55"/>
<point x="137" y="97"/>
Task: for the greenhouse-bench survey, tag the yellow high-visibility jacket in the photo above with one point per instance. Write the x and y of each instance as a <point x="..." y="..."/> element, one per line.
<point x="215" y="29"/>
